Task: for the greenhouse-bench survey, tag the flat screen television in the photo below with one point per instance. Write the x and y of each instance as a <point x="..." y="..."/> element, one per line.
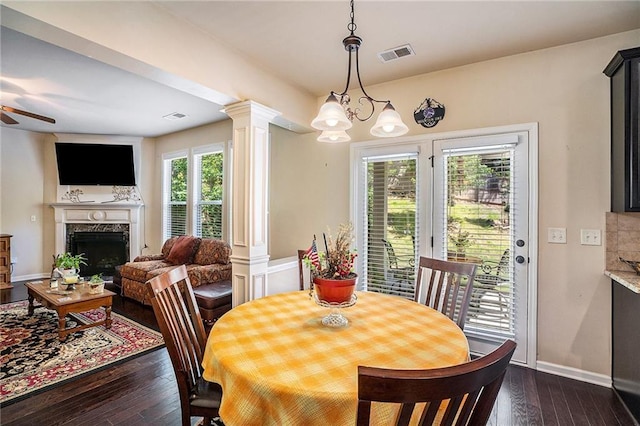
<point x="95" y="164"/>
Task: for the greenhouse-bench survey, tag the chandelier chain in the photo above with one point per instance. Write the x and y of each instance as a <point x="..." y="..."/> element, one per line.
<point x="337" y="114"/>
<point x="352" y="25"/>
<point x="352" y="45"/>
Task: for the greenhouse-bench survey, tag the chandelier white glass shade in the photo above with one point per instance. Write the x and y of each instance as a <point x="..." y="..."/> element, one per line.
<point x="334" y="136"/>
<point x="389" y="123"/>
<point x="331" y="116"/>
<point x="337" y="115"/>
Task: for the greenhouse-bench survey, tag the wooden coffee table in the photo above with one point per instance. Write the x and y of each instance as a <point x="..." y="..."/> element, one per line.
<point x="64" y="302"/>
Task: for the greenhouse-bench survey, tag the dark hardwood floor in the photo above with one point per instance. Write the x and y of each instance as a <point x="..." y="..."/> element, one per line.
<point x="143" y="391"/>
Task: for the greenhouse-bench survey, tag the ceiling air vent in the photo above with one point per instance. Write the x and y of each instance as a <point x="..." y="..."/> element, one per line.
<point x="396" y="53"/>
<point x="174" y="116"/>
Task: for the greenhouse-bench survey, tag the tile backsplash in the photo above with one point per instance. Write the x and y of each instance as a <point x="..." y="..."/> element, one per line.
<point x="622" y="240"/>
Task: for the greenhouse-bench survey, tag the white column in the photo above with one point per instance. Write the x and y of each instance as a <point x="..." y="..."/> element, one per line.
<point x="250" y="199"/>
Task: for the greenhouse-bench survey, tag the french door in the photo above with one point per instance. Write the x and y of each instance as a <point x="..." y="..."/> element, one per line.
<point x="463" y="196"/>
<point x="481" y="216"/>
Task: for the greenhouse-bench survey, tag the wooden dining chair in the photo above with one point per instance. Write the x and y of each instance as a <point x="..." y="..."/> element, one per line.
<point x="449" y="287"/>
<point x="301" y="254"/>
<point x="464" y="394"/>
<point x="178" y="316"/>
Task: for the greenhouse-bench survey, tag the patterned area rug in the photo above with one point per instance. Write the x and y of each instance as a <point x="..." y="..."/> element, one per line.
<point x="32" y="359"/>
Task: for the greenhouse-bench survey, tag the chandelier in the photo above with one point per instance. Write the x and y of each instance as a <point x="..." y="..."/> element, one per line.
<point x="336" y="114"/>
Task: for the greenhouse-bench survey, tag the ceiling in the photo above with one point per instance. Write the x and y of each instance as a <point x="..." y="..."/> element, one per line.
<point x="299" y="41"/>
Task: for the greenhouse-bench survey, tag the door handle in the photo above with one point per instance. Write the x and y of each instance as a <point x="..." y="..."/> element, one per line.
<point x="520" y="259"/>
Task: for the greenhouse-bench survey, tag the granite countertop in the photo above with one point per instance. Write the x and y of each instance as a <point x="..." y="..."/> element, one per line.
<point x="631" y="280"/>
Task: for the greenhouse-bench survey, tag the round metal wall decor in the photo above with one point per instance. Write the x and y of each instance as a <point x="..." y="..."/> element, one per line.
<point x="429" y="113"/>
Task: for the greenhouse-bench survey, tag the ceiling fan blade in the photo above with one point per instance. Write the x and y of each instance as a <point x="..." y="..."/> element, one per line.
<point x="6" y="119"/>
<point x="28" y="114"/>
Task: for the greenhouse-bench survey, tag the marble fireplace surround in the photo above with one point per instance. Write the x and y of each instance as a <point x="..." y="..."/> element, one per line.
<point x="97" y="217"/>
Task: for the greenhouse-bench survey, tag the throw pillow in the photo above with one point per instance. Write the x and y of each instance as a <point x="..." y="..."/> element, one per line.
<point x="183" y="250"/>
<point x="166" y="247"/>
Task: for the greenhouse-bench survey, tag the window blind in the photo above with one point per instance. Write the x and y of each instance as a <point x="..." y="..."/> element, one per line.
<point x="175" y="197"/>
<point x="209" y="188"/>
<point x="479" y="222"/>
<point x="389" y="223"/>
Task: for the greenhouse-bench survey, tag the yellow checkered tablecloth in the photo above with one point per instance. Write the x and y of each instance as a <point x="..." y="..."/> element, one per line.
<point x="278" y="365"/>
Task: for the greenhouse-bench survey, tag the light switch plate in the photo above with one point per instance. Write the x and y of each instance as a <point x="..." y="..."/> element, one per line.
<point x="557" y="235"/>
<point x="590" y="237"/>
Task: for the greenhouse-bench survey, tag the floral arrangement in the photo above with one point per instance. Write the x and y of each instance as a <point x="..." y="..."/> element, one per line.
<point x="124" y="193"/>
<point x="337" y="260"/>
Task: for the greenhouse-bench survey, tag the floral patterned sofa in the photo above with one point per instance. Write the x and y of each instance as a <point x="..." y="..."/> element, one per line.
<point x="206" y="259"/>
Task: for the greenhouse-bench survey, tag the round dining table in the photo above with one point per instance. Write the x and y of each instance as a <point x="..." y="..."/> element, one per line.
<point x="279" y="365"/>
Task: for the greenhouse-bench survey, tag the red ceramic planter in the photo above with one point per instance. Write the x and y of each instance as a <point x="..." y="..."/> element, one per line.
<point x="334" y="291"/>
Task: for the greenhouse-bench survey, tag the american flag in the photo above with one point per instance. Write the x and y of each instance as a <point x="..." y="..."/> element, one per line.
<point x="312" y="255"/>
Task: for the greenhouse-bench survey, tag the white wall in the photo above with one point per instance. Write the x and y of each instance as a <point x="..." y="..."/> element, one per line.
<point x="283" y="275"/>
<point x="22" y="178"/>
<point x="149" y="240"/>
<point x="309" y="185"/>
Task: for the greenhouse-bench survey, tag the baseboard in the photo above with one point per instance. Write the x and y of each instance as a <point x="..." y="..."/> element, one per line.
<point x="574" y="373"/>
<point x="28" y="277"/>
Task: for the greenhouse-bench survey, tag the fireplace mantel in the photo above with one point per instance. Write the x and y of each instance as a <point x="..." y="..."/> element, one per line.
<point x="96" y="213"/>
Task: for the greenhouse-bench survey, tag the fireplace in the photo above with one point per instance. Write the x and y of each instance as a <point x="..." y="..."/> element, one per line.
<point x="108" y="234"/>
<point x="103" y="250"/>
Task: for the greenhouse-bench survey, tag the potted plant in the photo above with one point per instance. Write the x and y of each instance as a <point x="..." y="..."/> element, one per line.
<point x="96" y="284"/>
<point x="70" y="261"/>
<point x="69" y="265"/>
<point x="332" y="271"/>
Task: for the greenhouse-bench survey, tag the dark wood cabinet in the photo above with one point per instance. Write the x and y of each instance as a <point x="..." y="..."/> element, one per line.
<point x="625" y="328"/>
<point x="5" y="261"/>
<point x="624" y="74"/>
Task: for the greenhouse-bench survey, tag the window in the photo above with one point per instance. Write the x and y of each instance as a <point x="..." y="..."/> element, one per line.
<point x="208" y="199"/>
<point x="387" y="226"/>
<point x="175" y="196"/>
<point x="193" y="192"/>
